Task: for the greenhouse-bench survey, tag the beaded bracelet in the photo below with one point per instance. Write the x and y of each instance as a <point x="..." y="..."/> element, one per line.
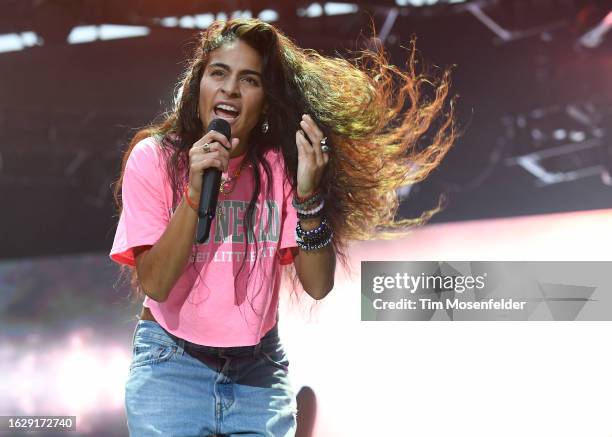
<point x="315" y="210"/>
<point x="319" y="239"/>
<point x="304" y="199"/>
<point x="188" y="199"/>
<point x="315" y="238"/>
<point x="308" y="246"/>
<point x="318" y="230"/>
<point x="309" y="216"/>
<point x="306" y="203"/>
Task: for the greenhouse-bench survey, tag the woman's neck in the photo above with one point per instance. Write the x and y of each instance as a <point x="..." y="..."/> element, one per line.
<point x="239" y="150"/>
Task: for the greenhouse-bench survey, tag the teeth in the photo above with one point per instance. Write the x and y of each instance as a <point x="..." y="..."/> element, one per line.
<point x="227" y="107"/>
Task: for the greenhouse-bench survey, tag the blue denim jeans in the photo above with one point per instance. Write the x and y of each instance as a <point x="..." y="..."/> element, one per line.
<point x="177" y="388"/>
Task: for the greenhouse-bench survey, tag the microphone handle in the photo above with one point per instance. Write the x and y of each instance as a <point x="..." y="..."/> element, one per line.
<point x="211" y="182"/>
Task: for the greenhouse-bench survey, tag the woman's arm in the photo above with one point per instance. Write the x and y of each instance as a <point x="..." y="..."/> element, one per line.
<point x="315" y="268"/>
<point x="159" y="266"/>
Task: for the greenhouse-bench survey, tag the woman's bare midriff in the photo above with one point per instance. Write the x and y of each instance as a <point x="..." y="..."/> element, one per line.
<point x="145" y="314"/>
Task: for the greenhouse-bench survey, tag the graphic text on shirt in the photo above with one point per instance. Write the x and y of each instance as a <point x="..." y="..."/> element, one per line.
<point x="229" y="227"/>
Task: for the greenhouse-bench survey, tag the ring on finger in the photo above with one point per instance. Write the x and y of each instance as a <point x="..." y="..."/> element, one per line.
<point x="206" y="148"/>
<point x="324" y="146"/>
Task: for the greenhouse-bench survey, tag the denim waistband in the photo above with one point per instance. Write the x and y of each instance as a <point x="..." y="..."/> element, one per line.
<point x="271" y="337"/>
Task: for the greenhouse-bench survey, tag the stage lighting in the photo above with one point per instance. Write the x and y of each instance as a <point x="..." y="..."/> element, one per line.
<point x="560" y="143"/>
<point x="594" y="37"/>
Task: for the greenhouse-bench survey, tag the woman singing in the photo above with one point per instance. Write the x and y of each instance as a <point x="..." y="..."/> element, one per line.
<point x="318" y="147"/>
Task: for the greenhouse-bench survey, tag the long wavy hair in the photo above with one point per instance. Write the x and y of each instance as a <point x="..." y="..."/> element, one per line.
<point x="375" y="115"/>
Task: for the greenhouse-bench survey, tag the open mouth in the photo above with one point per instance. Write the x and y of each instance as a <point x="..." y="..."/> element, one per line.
<point x="228" y="112"/>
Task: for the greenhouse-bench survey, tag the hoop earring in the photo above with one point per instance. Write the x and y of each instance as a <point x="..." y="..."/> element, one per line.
<point x="265" y="126"/>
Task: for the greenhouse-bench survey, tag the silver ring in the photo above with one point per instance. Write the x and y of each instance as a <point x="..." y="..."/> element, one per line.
<point x="323" y="141"/>
<point x="324" y="148"/>
<point x="206" y="148"/>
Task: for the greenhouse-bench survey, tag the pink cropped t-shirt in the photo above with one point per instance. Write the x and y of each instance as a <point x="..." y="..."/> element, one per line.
<point x="213" y="302"/>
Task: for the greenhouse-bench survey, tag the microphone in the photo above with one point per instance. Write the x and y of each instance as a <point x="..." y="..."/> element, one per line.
<point x="211" y="182"/>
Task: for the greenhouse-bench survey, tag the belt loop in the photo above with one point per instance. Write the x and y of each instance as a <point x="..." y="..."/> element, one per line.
<point x="180" y="346"/>
<point x="180" y="343"/>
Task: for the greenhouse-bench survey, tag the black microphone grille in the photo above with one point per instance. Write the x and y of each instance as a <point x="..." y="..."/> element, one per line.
<point x="221" y="126"/>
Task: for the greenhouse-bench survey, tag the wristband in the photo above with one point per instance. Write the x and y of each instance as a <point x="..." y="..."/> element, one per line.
<point x="308" y="203"/>
<point x="304" y="199"/>
<point x="188" y="200"/>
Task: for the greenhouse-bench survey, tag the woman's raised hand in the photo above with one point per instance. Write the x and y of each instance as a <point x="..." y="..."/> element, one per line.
<point x="211" y="151"/>
<point x="311" y="159"/>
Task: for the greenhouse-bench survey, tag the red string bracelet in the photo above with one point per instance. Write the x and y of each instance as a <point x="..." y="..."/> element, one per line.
<point x="188" y="200"/>
<point x="304" y="199"/>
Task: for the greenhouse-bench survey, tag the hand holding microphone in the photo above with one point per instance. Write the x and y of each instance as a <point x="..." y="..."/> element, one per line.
<point x="208" y="157"/>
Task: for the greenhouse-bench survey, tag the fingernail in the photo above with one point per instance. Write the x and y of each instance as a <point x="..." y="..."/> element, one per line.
<point x="304" y="115"/>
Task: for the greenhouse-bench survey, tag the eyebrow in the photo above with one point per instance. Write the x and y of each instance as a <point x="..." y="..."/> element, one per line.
<point x="227" y="67"/>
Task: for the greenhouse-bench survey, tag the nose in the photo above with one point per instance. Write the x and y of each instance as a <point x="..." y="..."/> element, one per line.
<point x="231" y="87"/>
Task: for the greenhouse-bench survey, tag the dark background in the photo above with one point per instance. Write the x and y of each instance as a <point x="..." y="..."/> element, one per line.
<point x="68" y="110"/>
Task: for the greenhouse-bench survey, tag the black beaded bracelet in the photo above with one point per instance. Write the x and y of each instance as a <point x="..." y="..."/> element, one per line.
<point x="303" y="233"/>
<point x="307" y="246"/>
<point x="314" y="241"/>
<point x="315" y="238"/>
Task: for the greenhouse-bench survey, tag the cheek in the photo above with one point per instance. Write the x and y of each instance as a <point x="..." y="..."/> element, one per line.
<point x="256" y="103"/>
<point x="206" y="92"/>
